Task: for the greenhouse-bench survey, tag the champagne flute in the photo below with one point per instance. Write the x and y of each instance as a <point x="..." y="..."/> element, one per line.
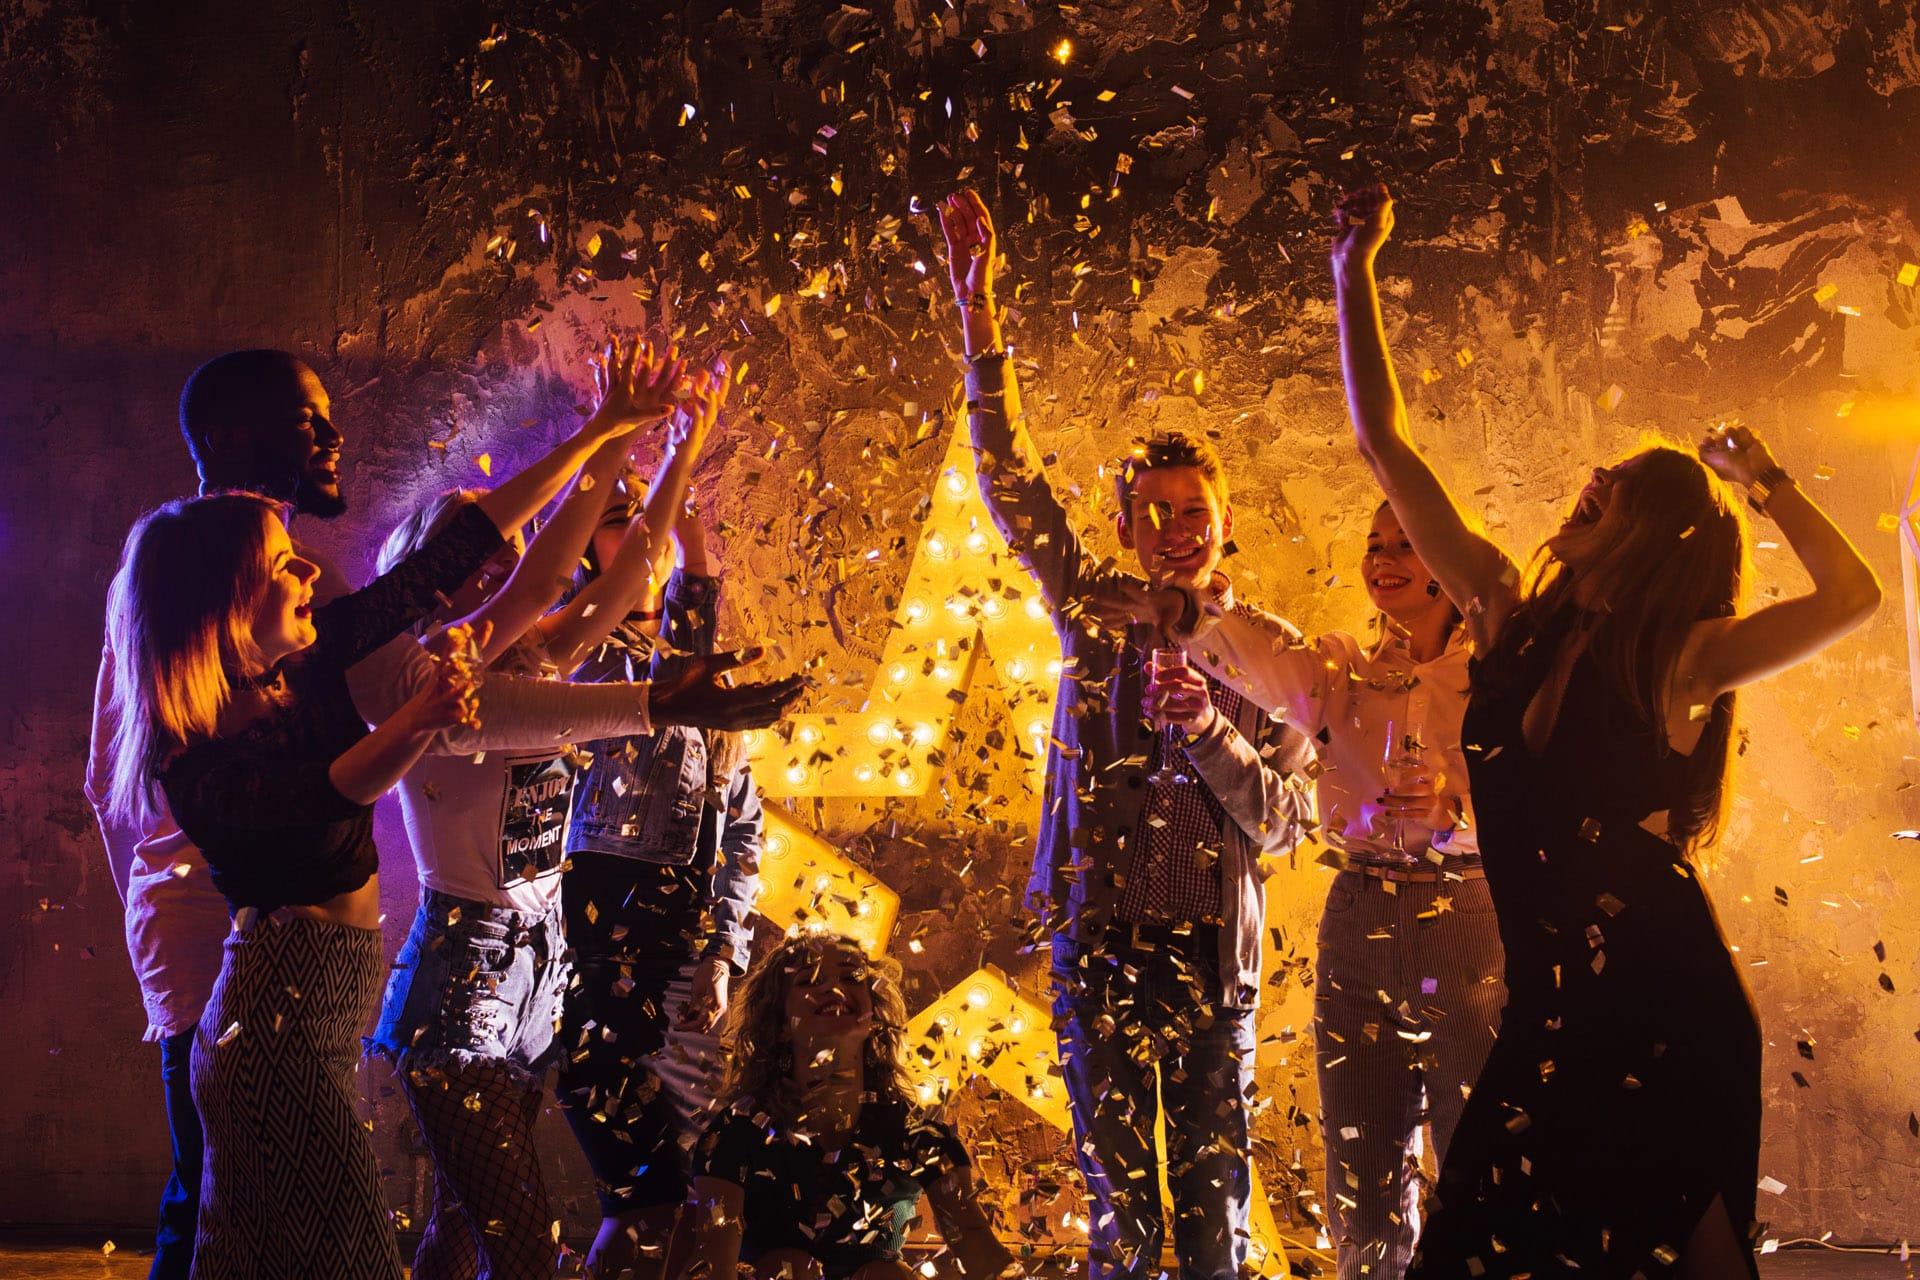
<point x="1405" y="773"/>
<point x="1165" y="661"/>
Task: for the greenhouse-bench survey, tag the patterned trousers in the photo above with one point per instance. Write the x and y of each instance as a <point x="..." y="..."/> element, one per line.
<point x="1405" y="1012"/>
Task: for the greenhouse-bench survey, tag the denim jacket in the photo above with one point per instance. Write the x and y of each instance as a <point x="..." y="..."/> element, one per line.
<point x="1096" y="763"/>
<point x="646" y="797"/>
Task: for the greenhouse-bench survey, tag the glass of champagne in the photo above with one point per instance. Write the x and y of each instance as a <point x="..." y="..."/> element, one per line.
<point x="1166" y="661"/>
<point x="1404" y="770"/>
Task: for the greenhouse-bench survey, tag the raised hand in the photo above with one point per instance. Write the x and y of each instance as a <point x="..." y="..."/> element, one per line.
<point x="637" y="385"/>
<point x="1362" y="221"/>
<point x="692" y="694"/>
<point x="694" y="420"/>
<point x="971" y="245"/>
<point x="1736" y="454"/>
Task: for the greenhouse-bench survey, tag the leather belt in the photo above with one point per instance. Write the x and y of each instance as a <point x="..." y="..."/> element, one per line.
<point x="1417" y="876"/>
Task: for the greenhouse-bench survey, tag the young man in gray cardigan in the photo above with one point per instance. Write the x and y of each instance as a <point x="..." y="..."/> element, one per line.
<point x="1167" y="796"/>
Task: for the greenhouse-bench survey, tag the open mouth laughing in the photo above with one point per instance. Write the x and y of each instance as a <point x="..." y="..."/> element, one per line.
<point x="1189" y="555"/>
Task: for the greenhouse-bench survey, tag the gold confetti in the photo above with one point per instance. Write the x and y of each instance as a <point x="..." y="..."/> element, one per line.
<point x="485" y="460"/>
<point x="1909" y="274"/>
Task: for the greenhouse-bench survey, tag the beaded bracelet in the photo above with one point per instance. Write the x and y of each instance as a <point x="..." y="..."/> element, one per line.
<point x="975" y="302"/>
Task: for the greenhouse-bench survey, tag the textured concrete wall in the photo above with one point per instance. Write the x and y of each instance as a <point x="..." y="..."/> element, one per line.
<point x="1616" y="217"/>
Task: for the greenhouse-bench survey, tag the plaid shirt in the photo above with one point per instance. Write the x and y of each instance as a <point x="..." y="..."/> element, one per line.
<point x="1175" y="877"/>
<point x="1094" y="811"/>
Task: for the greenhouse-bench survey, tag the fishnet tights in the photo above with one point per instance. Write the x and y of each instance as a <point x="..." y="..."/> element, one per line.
<point x="491" y="1219"/>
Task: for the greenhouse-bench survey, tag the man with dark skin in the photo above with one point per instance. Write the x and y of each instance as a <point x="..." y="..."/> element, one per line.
<point x="261" y="420"/>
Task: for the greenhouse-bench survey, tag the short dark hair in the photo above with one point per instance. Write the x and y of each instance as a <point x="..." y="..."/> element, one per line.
<point x="226" y="391"/>
<point x="1168" y="449"/>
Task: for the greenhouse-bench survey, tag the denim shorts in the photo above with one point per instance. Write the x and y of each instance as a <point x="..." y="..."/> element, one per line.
<point x="475" y="981"/>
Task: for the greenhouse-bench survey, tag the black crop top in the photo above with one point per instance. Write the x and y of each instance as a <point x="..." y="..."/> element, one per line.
<point x="260" y="804"/>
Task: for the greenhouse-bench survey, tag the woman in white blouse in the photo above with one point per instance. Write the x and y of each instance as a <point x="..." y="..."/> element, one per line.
<point x="1408" y="990"/>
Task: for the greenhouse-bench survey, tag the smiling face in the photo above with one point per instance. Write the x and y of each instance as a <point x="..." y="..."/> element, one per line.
<point x="1398" y="580"/>
<point x="283" y="619"/>
<point x="1177" y="525"/>
<point x="287" y="442"/>
<point x="1599" y="516"/>
<point x="829" y="998"/>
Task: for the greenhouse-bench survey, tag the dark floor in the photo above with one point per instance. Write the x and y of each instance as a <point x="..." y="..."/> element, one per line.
<point x="57" y="1256"/>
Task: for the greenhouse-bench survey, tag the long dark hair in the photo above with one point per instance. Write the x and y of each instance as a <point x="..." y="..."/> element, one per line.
<point x="760" y="1070"/>
<point x="1681" y="559"/>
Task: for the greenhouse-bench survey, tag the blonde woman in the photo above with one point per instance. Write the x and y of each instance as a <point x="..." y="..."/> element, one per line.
<point x="472" y="1004"/>
<point x="233" y="701"/>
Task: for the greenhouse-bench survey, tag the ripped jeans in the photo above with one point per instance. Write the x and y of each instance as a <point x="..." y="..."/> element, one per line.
<point x="476" y="981"/>
<point x="469" y="1020"/>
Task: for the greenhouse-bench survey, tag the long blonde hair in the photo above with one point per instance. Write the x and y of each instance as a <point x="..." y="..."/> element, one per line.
<point x="180" y="628"/>
<point x="762" y="1064"/>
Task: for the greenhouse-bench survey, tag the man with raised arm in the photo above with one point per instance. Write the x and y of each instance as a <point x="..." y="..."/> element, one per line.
<point x="1156" y="829"/>
<point x="261" y="420"/>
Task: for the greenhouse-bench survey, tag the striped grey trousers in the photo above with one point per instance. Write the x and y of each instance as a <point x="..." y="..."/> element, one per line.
<point x="1406" y="1006"/>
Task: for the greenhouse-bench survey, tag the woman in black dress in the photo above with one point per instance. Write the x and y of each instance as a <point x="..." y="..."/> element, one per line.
<point x="1616" y="1126"/>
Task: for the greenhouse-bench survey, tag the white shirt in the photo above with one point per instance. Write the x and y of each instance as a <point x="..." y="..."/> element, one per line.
<point x="1345" y="697"/>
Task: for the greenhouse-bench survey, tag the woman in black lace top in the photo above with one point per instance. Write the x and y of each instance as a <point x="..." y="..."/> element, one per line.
<point x="233" y="700"/>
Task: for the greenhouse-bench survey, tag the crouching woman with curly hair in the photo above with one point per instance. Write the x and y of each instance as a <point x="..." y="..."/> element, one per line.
<point x="814" y="1166"/>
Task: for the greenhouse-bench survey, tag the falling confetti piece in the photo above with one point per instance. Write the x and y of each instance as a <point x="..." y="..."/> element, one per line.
<point x="485" y="463"/>
<point x="1909" y="274"/>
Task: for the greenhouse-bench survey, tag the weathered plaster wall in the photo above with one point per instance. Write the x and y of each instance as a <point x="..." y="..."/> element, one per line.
<point x="1616" y="217"/>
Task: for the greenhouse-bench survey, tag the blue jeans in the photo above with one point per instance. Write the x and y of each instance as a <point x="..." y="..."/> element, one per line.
<point x="180" y="1202"/>
<point x="476" y="982"/>
<point x="1131" y="1045"/>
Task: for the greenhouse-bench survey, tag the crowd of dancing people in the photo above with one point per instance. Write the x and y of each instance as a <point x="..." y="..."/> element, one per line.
<point x="1521" y="771"/>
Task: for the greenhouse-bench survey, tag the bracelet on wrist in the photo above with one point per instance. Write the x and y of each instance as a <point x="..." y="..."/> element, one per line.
<point x="1765" y="485"/>
<point x="974" y="302"/>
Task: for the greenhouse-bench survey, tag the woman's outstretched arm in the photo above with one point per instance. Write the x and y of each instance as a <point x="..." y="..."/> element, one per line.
<point x="1470" y="568"/>
<point x="516" y="500"/>
<point x="1725" y="653"/>
<point x="632" y="381"/>
<point x="573" y="631"/>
